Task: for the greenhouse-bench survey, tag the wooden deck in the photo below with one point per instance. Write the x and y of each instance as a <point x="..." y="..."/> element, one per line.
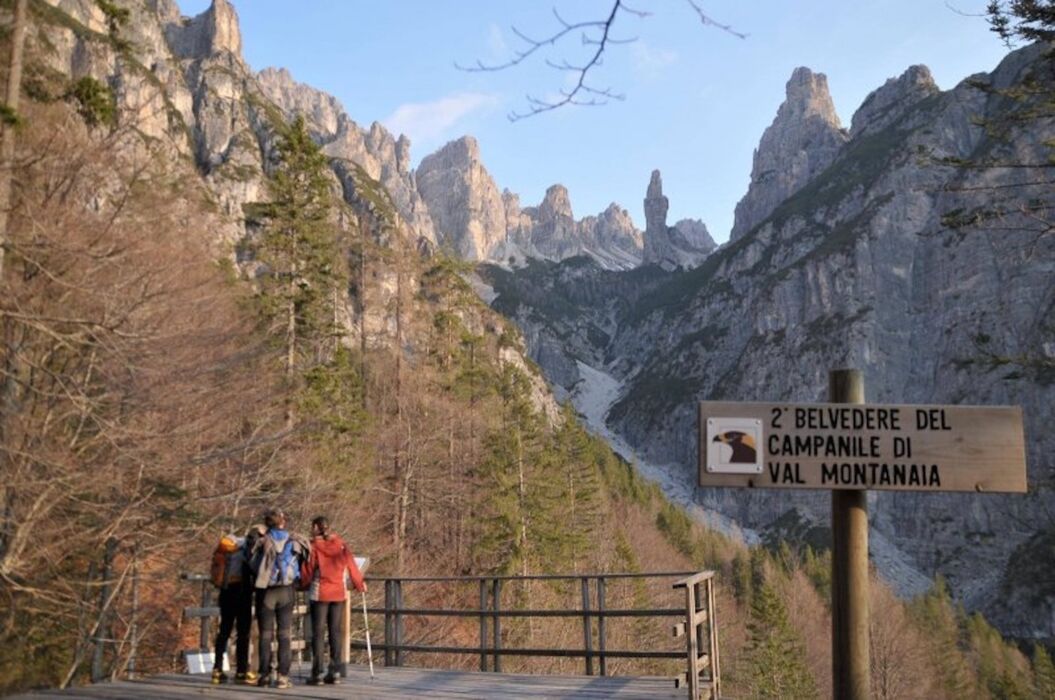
<point x="404" y="682"/>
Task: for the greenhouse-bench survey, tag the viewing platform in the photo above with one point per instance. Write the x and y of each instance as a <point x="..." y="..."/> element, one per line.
<point x="601" y="635"/>
<point x="390" y="682"/>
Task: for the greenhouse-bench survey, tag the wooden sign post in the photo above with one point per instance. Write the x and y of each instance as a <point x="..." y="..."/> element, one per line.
<point x="851" y="653"/>
<point x="849" y="447"/>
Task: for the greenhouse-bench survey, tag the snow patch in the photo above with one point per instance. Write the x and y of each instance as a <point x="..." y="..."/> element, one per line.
<point x="592" y="397"/>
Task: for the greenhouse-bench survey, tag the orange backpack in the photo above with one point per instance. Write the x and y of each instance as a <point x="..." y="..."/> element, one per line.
<point x="227" y="561"/>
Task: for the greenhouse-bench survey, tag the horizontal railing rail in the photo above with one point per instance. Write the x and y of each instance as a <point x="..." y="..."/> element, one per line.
<point x="697" y="621"/>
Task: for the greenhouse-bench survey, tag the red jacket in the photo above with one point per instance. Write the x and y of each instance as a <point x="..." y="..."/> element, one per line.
<point x="327" y="567"/>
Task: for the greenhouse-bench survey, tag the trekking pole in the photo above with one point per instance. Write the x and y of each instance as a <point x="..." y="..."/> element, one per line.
<point x="369" y="650"/>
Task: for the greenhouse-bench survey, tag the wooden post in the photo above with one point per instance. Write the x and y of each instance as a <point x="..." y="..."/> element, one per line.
<point x="601" y="626"/>
<point x="850" y="648"/>
<point x="712" y="620"/>
<point x="587" y="636"/>
<point x="691" y="640"/>
<point x="206" y="601"/>
<point x="397" y="589"/>
<point x="496" y="663"/>
<point x="389" y="635"/>
<point x="483" y="625"/>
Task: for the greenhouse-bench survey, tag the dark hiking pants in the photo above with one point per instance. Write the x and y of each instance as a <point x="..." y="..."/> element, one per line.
<point x="326" y="616"/>
<point x="236" y="611"/>
<point x="274" y="606"/>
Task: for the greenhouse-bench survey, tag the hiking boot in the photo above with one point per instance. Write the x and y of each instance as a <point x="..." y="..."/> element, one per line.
<point x="332" y="678"/>
<point x="247" y="678"/>
<point x="218" y="676"/>
<point x="283" y="683"/>
<point x="315" y="680"/>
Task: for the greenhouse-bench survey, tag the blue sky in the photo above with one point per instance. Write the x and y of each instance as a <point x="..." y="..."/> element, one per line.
<point x="697" y="99"/>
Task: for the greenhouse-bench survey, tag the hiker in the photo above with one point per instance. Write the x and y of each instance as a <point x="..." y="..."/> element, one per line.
<point x="230" y="573"/>
<point x="276" y="560"/>
<point x="329" y="569"/>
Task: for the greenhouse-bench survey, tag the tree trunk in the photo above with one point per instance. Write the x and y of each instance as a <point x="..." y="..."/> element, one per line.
<point x="291" y="347"/>
<point x="7" y="144"/>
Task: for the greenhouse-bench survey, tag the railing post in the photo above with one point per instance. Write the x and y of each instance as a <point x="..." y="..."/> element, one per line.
<point x="497" y="626"/>
<point x="716" y="675"/>
<point x="691" y="641"/>
<point x="388" y="623"/>
<point x="600" y="626"/>
<point x="398" y="595"/>
<point x="206" y="601"/>
<point x="587" y="637"/>
<point x="483" y="625"/>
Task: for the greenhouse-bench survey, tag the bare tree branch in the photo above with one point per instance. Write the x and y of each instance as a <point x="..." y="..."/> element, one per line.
<point x="594" y="33"/>
<point x="708" y="21"/>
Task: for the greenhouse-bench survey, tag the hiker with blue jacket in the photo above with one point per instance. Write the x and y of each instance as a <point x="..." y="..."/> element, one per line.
<point x="276" y="561"/>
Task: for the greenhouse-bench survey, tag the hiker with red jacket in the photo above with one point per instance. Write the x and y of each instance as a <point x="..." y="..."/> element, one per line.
<point x="330" y="567"/>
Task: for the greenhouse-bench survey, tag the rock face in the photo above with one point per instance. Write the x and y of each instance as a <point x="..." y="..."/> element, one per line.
<point x="887" y="104"/>
<point x="930" y="279"/>
<point x="684" y="245"/>
<point x="214" y="31"/>
<point x="477" y="223"/>
<point x="375" y="150"/>
<point x="803" y="140"/>
<point x="463" y="200"/>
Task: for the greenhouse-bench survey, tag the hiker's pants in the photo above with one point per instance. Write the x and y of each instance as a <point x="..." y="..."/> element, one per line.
<point x="323" y="616"/>
<point x="236" y="608"/>
<point x="275" y="606"/>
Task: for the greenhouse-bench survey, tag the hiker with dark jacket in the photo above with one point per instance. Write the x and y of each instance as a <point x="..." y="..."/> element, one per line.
<point x="330" y="568"/>
<point x="232" y="575"/>
<point x="276" y="562"/>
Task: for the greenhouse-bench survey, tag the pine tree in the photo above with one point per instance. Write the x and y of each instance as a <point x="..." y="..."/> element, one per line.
<point x="299" y="251"/>
<point x="578" y="488"/>
<point x="775" y="657"/>
<point x="1043" y="673"/>
<point x="935" y="613"/>
<point x="510" y="472"/>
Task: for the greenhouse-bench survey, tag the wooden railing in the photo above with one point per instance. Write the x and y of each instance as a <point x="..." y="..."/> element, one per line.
<point x="697" y="623"/>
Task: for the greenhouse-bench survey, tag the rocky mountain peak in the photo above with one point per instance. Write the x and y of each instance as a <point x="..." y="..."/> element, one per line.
<point x="403" y="154"/>
<point x="556" y="204"/>
<point x="803" y="140"/>
<point x="666" y="246"/>
<point x="887" y="103"/>
<point x="693" y="232"/>
<point x="656" y="206"/>
<point x="212" y="32"/>
<point x="323" y="112"/>
<point x="806" y="94"/>
<point x="655" y="188"/>
<point x="463" y="199"/>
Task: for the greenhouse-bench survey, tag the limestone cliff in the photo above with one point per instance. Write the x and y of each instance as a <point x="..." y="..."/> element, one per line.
<point x="683" y="245"/>
<point x="803" y="140"/>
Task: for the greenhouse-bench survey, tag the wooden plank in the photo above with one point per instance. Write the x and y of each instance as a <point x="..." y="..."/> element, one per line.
<point x="893" y="447"/>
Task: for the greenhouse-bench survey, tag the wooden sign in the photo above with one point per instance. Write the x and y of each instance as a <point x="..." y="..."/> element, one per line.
<point x="862" y="446"/>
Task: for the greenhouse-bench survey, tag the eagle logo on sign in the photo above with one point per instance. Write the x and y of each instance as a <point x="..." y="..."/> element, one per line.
<point x="742" y="444"/>
<point x="734" y="445"/>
